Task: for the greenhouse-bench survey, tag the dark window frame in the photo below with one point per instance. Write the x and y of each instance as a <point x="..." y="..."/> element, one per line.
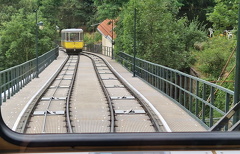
<point x="124" y="141"/>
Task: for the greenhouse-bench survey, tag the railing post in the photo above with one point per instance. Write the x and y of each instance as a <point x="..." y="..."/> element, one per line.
<point x="1" y="83"/>
<point x="180" y="91"/>
<point x="227" y="108"/>
<point x="17" y="79"/>
<point x="176" y="83"/>
<point x="203" y="104"/>
<point x="211" y="109"/>
<point x="13" y="79"/>
<point x="1" y="96"/>
<point x="197" y="104"/>
<point x="187" y="90"/>
<point x="184" y="93"/>
<point x="8" y="76"/>
<point x="237" y="72"/>
<point x="190" y="97"/>
<point x="134" y="43"/>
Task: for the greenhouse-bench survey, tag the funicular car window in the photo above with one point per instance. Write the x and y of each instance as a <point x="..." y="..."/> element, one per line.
<point x="74" y="36"/>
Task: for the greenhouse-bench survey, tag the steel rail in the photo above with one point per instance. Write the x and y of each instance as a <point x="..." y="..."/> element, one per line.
<point x="112" y="117"/>
<point x="46" y="113"/>
<point x="24" y="116"/>
<point x="67" y="101"/>
<point x="157" y="123"/>
<point x="69" y="126"/>
<point x="45" y="116"/>
<point x="144" y="105"/>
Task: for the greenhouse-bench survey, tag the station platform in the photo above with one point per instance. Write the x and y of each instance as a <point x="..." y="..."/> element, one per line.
<point x="176" y="118"/>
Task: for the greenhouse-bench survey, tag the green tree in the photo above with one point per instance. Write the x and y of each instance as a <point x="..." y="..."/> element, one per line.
<point x="76" y="13"/>
<point x="7" y="9"/>
<point x="18" y="39"/>
<point x="109" y="8"/>
<point x="16" y="36"/>
<point x="17" y="25"/>
<point x="193" y="9"/>
<point x="212" y="59"/>
<point x="161" y="38"/>
<point x="50" y="10"/>
<point x="224" y="15"/>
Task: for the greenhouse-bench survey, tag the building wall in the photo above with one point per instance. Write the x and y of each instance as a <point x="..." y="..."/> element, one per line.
<point x="106" y="43"/>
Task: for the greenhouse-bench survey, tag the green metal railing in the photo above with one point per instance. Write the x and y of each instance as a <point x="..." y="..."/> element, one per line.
<point x="205" y="101"/>
<point x="105" y="50"/>
<point x="15" y="78"/>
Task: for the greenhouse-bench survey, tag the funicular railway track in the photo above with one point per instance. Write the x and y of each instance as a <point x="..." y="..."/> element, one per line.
<point x="128" y="111"/>
<point x="117" y="108"/>
<point x="49" y="112"/>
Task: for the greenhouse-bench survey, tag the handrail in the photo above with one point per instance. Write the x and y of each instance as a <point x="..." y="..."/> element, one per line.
<point x="223" y="122"/>
<point x="197" y="96"/>
<point x="15" y="78"/>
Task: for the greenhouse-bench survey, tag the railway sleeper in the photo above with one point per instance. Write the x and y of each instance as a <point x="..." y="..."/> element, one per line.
<point x="122" y="98"/>
<point x="131" y="111"/>
<point x="114" y="86"/>
<point x="42" y="113"/>
<point x="53" y="98"/>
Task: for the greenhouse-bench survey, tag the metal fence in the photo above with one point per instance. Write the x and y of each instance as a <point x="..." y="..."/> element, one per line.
<point x="205" y="101"/>
<point x="105" y="50"/>
<point x="15" y="78"/>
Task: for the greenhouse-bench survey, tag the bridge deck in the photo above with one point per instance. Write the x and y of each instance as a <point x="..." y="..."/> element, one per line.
<point x="177" y="119"/>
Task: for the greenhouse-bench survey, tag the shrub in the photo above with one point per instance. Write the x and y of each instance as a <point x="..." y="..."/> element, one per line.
<point x="215" y="55"/>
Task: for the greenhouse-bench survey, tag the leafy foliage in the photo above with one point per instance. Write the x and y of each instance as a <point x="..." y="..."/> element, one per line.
<point x="17" y="32"/>
<point x="108" y="8"/>
<point x="18" y="39"/>
<point x="76" y="13"/>
<point x="161" y="38"/>
<point x="166" y="29"/>
<point x="193" y="9"/>
<point x="215" y="55"/>
<point x="18" y="26"/>
<point x="225" y="14"/>
<point x="92" y="38"/>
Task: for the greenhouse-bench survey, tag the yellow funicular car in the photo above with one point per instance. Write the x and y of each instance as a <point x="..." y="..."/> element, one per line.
<point x="72" y="40"/>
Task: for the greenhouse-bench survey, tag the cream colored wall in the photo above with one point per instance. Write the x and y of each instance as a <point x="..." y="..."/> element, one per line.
<point x="106" y="42"/>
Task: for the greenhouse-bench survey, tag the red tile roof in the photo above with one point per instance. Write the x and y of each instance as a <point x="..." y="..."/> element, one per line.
<point x="105" y="28"/>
